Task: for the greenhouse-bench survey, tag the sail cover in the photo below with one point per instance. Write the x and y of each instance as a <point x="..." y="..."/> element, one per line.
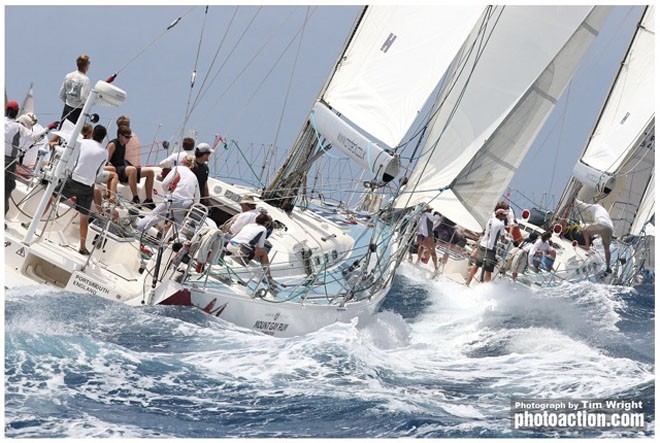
<point x="395" y="46"/>
<point x="506" y="80"/>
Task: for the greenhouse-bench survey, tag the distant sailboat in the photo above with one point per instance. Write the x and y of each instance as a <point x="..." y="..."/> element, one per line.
<point x="493" y="104"/>
<point x="617" y="170"/>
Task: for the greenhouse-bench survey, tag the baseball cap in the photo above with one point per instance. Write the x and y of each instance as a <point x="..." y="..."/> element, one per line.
<point x="12" y="105"/>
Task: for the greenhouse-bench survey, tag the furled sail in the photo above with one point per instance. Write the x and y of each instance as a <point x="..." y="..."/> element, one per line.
<point x="495" y="102"/>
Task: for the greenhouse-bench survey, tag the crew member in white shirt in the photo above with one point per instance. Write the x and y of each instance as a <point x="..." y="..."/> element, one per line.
<point x="80" y="185"/>
<point x="599" y="223"/>
<point x="75" y="89"/>
<point x="250" y="242"/>
<point x="183" y="186"/>
<point x="540" y="248"/>
<point x="248" y="215"/>
<point x="486" y="254"/>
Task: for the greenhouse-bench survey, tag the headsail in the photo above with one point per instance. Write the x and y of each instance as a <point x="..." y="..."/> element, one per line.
<point x="494" y="103"/>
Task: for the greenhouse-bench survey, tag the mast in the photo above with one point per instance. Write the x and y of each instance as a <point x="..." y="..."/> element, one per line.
<point x="284" y="188"/>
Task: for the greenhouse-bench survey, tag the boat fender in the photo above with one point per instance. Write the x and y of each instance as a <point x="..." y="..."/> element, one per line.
<point x="197" y="239"/>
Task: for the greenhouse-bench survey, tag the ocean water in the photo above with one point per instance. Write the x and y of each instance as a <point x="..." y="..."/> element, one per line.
<point x="439" y="360"/>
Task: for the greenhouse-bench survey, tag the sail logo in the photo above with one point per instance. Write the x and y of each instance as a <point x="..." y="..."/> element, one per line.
<point x="388" y="43"/>
<point x="351" y="146"/>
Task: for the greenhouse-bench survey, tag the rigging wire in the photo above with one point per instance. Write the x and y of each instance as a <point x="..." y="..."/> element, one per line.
<point x="150" y="44"/>
<point x="194" y="72"/>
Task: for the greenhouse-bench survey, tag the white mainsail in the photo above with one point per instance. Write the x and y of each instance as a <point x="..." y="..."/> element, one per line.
<point x="395" y="46"/>
<point x="391" y="65"/>
<point x="623" y="142"/>
<point x="494" y="104"/>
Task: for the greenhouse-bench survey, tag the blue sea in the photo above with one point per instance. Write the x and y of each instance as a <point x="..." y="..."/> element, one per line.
<point x="438" y="360"/>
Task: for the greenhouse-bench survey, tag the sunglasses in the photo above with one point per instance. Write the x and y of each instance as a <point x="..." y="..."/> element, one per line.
<point x="127" y="136"/>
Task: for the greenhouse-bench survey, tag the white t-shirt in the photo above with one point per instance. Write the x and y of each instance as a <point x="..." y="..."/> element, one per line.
<point x="494" y="229"/>
<point x="425" y="226"/>
<point x="175" y="159"/>
<point x="91" y="159"/>
<point x="248" y="233"/>
<point x="243" y="219"/>
<point x="539" y="245"/>
<point x="18" y="138"/>
<point x="187" y="188"/>
<point x="594" y="213"/>
<point x="75" y="89"/>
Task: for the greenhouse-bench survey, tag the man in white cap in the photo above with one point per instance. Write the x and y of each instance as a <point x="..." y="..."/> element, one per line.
<point x="14" y="133"/>
<point x="249" y="215"/>
<point x="184" y="191"/>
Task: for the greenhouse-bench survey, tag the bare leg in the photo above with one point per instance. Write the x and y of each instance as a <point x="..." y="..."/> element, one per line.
<point x="149" y="183"/>
<point x="131" y="174"/>
<point x="84" y="223"/>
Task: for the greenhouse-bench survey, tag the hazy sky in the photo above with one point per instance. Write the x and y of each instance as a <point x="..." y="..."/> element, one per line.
<point x="241" y="93"/>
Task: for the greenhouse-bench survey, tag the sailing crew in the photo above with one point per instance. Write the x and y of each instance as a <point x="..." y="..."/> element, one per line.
<point x="80" y="185"/>
<point x="425" y="238"/>
<point x="188" y="149"/>
<point x="125" y="170"/>
<point x="517" y="259"/>
<point x="600" y="223"/>
<point x="203" y="152"/>
<point x="248" y="215"/>
<point x="536" y="258"/>
<point x="511" y="224"/>
<point x="108" y="178"/>
<point x="486" y="249"/>
<point x="250" y="242"/>
<point x="75" y="89"/>
<point x="183" y="186"/>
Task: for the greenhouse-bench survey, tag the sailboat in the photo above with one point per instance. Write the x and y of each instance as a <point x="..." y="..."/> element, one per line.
<point x="325" y="267"/>
<point x="494" y="103"/>
<point x="617" y="171"/>
<point x="324" y="271"/>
